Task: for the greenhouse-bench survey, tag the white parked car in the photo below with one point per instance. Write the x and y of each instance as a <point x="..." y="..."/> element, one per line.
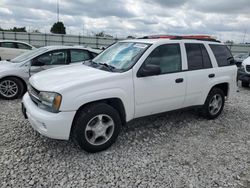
<point x="133" y="78"/>
<point x="239" y="58"/>
<point x="244" y="73"/>
<point x="14" y="74"/>
<point x="10" y="49"/>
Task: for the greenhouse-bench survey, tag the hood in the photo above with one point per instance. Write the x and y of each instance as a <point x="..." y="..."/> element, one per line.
<point x="7" y="65"/>
<point x="66" y="77"/>
<point x="246" y="61"/>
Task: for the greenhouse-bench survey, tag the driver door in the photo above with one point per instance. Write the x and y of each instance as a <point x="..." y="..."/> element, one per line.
<point x="163" y="92"/>
<point x="49" y="60"/>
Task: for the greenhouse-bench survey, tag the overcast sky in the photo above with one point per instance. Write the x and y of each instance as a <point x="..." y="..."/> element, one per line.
<point x="226" y="19"/>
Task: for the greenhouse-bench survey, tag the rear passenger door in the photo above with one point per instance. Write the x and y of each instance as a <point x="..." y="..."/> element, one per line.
<point x="200" y="74"/>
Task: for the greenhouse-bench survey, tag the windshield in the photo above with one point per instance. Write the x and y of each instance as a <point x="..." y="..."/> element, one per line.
<point x="122" y="55"/>
<point x="27" y="55"/>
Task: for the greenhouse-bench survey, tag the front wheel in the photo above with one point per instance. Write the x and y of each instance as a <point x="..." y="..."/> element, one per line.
<point x="11" y="88"/>
<point x="214" y="103"/>
<point x="96" y="127"/>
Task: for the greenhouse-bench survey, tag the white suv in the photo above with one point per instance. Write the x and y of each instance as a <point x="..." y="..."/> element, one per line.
<point x="90" y="102"/>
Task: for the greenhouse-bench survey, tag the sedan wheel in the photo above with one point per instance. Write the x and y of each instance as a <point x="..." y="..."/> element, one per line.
<point x="11" y="88"/>
<point x="8" y="88"/>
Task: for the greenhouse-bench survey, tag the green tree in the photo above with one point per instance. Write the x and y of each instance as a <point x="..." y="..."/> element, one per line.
<point x="58" y="28"/>
<point x="15" y="29"/>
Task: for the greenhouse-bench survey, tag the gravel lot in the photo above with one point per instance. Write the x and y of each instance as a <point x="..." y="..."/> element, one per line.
<point x="177" y="149"/>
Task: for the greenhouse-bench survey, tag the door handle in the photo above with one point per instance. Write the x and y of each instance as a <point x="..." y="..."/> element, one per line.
<point x="211" y="75"/>
<point x="179" y="80"/>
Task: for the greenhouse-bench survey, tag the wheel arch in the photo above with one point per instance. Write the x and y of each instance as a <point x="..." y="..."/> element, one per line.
<point x="223" y="86"/>
<point x="116" y="103"/>
<point x="16" y="77"/>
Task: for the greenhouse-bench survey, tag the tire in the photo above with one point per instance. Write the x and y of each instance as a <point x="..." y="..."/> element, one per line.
<point x="209" y="108"/>
<point x="244" y="84"/>
<point x="96" y="127"/>
<point x="11" y="88"/>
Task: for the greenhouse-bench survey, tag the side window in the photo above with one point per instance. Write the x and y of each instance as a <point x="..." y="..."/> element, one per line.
<point x="79" y="55"/>
<point x="194" y="56"/>
<point x="8" y="45"/>
<point x="54" y="58"/>
<point x="222" y="54"/>
<point x="206" y="59"/>
<point x="23" y="46"/>
<point x="197" y="57"/>
<point x="167" y="56"/>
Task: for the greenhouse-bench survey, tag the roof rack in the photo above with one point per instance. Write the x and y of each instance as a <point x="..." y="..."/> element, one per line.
<point x="182" y="37"/>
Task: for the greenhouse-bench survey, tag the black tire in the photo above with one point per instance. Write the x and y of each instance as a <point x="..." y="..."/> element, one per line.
<point x="244" y="84"/>
<point x="85" y="116"/>
<point x="206" y="112"/>
<point x="19" y="85"/>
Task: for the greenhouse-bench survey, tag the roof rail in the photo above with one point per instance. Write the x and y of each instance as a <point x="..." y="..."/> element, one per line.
<point x="182" y="37"/>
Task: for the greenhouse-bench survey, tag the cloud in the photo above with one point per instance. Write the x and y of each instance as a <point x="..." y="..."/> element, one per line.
<point x="227" y="20"/>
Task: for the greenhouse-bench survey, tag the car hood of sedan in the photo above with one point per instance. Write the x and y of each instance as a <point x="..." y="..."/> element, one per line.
<point x="7" y="65"/>
<point x="63" y="78"/>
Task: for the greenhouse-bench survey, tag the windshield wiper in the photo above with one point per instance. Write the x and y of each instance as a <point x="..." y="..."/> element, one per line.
<point x="110" y="67"/>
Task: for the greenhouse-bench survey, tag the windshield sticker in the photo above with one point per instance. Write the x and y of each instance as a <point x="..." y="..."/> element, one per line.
<point x="140" y="46"/>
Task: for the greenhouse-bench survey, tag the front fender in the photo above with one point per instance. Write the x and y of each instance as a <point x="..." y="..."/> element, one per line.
<point x="78" y="101"/>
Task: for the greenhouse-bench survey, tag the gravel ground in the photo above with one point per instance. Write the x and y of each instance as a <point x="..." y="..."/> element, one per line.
<point x="177" y="149"/>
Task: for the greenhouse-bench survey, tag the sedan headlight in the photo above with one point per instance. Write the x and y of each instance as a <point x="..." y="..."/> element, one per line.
<point x="50" y="101"/>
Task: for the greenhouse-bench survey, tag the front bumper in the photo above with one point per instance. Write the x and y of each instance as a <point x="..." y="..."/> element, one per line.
<point x="243" y="76"/>
<point x="52" y="125"/>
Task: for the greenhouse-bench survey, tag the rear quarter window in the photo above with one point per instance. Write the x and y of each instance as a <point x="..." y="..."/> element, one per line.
<point x="222" y="54"/>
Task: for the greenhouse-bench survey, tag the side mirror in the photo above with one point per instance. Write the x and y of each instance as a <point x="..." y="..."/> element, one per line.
<point x="37" y="63"/>
<point x="149" y="70"/>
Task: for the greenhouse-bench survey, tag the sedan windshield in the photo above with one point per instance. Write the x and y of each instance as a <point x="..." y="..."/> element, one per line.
<point x="122" y="55"/>
<point x="28" y="55"/>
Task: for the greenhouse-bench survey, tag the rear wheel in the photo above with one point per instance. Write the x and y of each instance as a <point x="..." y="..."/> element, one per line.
<point x="214" y="103"/>
<point x="11" y="88"/>
<point x="96" y="127"/>
<point x="244" y="84"/>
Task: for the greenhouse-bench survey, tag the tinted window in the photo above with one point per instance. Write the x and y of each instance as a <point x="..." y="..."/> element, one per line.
<point x="194" y="56"/>
<point x="197" y="57"/>
<point x="79" y="55"/>
<point x="23" y="46"/>
<point x="54" y="58"/>
<point x="7" y="45"/>
<point x="222" y="54"/>
<point x="167" y="56"/>
<point x="206" y="59"/>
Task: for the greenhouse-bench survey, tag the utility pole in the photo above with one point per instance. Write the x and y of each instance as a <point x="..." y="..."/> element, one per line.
<point x="57" y="10"/>
<point x="244" y="36"/>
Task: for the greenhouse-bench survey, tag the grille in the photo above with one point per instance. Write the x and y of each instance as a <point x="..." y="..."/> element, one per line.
<point x="34" y="94"/>
<point x="248" y="68"/>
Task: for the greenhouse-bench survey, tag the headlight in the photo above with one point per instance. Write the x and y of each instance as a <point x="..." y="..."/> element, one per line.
<point x="50" y="101"/>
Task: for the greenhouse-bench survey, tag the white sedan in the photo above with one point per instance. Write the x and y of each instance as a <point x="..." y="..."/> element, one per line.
<point x="10" y="49"/>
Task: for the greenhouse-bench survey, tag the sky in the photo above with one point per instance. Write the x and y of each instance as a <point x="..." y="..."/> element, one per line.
<point x="225" y="19"/>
